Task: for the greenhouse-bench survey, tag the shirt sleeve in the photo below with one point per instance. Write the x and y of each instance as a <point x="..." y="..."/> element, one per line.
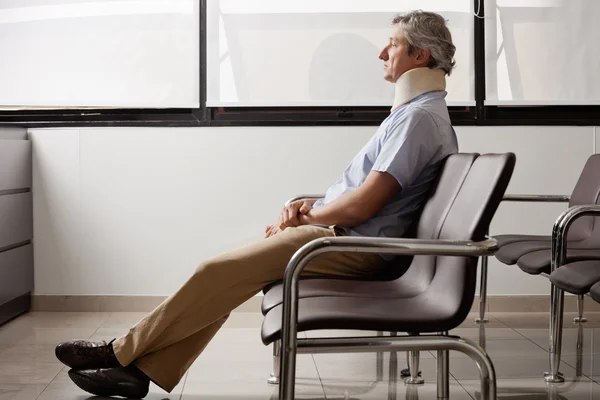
<point x="408" y="146"/>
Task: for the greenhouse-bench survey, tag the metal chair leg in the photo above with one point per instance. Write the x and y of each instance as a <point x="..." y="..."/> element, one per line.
<point x="274" y="378"/>
<point x="393" y="378"/>
<point x="579" y="359"/>
<point x="413" y="367"/>
<point x="483" y="291"/>
<point x="443" y="372"/>
<point x="556" y="312"/>
<point x="379" y="362"/>
<point x="580" y="318"/>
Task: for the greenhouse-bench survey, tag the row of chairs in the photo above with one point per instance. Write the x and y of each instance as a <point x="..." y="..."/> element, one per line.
<point x="430" y="289"/>
<point x="570" y="257"/>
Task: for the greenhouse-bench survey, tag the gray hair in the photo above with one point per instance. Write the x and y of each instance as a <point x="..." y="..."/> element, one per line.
<point x="428" y="30"/>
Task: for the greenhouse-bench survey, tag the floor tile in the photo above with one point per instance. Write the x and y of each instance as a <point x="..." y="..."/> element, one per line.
<point x="469" y="322"/>
<point x="123" y="319"/>
<point x="62" y="319"/>
<point x="210" y="370"/>
<point x="489" y="333"/>
<point x="20" y="391"/>
<point x="388" y="390"/>
<point x="108" y="334"/>
<point x="512" y="367"/>
<point x="588" y="339"/>
<point x="507" y="348"/>
<point x="588" y="365"/>
<point x="305" y="390"/>
<point x="541" y="320"/>
<point x="362" y="367"/>
<point x="236" y="364"/>
<point x="537" y="389"/>
<point x="26" y="372"/>
<point x="32" y="353"/>
<point x="68" y="390"/>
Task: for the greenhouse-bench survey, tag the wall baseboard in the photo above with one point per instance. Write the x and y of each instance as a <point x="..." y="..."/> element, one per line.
<point x="537" y="303"/>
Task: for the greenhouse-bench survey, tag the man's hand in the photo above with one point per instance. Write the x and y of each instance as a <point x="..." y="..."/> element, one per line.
<point x="271" y="230"/>
<point x="289" y="216"/>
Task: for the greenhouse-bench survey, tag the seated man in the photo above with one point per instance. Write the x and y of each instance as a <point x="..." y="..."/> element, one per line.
<point x="381" y="193"/>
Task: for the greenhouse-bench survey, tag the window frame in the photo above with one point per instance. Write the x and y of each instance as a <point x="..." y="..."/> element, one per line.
<point x="479" y="115"/>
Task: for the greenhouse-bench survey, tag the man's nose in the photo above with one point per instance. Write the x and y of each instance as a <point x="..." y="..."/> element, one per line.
<point x="384" y="53"/>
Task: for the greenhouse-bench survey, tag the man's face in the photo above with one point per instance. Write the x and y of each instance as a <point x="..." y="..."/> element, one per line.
<point x="396" y="60"/>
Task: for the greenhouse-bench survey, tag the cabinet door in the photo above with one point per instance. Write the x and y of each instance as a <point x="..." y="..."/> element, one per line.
<point x="16" y="273"/>
<point x="16" y="219"/>
<point x="15" y="164"/>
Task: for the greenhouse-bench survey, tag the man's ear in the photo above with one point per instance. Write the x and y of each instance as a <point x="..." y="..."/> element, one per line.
<point x="423" y="56"/>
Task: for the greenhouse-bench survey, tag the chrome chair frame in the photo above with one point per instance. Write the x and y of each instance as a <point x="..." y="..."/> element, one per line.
<point x="523" y="198"/>
<point x="442" y="342"/>
<point x="560" y="231"/>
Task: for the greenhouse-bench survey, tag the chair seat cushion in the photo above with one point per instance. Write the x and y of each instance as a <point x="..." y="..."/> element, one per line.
<point x="322" y="287"/>
<point x="503" y="240"/>
<point x="510" y="253"/>
<point x="416" y="314"/>
<point x="577" y="277"/>
<point x="538" y="262"/>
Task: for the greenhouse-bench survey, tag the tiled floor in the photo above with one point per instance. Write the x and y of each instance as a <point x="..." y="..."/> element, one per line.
<point x="236" y="364"/>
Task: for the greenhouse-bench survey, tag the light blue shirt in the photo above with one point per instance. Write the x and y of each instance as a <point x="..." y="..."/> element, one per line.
<point x="410" y="144"/>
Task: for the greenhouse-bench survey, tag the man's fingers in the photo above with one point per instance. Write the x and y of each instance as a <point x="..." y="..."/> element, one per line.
<point x="291" y="215"/>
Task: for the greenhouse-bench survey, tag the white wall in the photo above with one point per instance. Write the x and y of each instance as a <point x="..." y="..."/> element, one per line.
<point x="131" y="211"/>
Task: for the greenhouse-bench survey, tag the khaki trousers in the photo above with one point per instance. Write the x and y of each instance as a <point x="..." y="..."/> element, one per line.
<point x="166" y="342"/>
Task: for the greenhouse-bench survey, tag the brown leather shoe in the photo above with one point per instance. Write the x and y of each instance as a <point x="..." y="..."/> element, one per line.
<point x="126" y="382"/>
<point x="81" y="354"/>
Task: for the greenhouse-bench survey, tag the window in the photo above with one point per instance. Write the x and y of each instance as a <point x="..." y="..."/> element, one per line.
<point x="313" y="53"/>
<point x="284" y="62"/>
<point x="542" y="52"/>
<point x="99" y="54"/>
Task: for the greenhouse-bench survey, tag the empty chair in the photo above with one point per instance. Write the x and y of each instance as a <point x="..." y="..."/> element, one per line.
<point x="577" y="277"/>
<point x="532" y="253"/>
<point x="595" y="292"/>
<point x="444" y="268"/>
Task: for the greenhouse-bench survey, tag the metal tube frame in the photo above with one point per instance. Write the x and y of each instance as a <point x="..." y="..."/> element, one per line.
<point x="443" y="372"/>
<point x="560" y="232"/>
<point x="274" y="378"/>
<point x="523" y="198"/>
<point x="394" y="246"/>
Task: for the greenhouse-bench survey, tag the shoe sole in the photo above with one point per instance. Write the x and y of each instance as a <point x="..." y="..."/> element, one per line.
<point x="91" y="386"/>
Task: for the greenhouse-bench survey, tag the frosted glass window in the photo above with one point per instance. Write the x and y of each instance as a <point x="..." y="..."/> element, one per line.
<point x="542" y="52"/>
<point x="318" y="53"/>
<point x="101" y="53"/>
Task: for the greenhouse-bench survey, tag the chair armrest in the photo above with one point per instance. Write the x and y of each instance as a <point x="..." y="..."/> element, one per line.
<point x="560" y="231"/>
<point x="304" y="196"/>
<point x="395" y="246"/>
<point x="537" y="198"/>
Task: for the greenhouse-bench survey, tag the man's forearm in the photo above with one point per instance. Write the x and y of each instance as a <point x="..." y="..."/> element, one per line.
<point x="346" y="211"/>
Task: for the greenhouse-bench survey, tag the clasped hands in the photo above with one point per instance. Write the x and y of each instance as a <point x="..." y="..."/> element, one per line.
<point x="290" y="216"/>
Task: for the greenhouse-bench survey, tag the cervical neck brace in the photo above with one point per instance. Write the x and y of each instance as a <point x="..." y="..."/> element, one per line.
<point x="418" y="81"/>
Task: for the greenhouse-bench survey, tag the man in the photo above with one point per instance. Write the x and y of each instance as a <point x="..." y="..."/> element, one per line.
<point x="380" y="193"/>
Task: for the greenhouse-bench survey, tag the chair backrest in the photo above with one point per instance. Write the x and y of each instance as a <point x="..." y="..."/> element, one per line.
<point x="416" y="272"/>
<point x="587" y="191"/>
<point x="468" y="218"/>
